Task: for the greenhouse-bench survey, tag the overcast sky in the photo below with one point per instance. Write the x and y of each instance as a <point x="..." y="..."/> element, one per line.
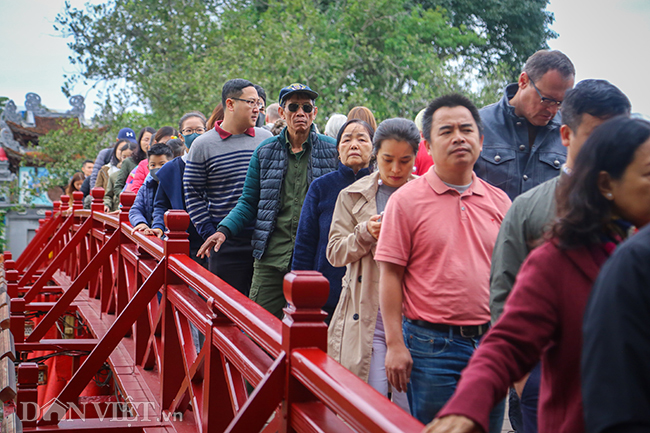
<point x="604" y="38"/>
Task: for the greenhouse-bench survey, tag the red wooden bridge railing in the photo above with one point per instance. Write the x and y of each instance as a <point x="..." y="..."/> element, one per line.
<point x="104" y="323"/>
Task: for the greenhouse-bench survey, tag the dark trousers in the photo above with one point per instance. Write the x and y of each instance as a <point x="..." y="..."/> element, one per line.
<point x="201" y="261"/>
<point x="523" y="411"/>
<point x="234" y="263"/>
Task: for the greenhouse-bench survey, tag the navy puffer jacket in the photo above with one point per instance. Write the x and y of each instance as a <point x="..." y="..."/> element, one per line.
<point x="260" y="200"/>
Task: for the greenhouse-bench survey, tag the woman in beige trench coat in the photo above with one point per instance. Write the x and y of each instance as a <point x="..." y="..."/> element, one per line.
<point x="355" y="336"/>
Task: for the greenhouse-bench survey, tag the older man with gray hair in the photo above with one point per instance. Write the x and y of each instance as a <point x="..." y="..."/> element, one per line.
<point x="522" y="146"/>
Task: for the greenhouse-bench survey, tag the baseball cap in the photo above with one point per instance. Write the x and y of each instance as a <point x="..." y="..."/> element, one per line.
<point x="127" y="134"/>
<point x="296" y="88"/>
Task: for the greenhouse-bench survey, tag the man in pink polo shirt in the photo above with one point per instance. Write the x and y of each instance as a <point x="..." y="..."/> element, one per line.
<point x="434" y="251"/>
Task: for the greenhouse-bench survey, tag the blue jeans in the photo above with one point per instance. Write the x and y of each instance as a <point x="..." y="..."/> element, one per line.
<point x="529" y="399"/>
<point x="438" y="359"/>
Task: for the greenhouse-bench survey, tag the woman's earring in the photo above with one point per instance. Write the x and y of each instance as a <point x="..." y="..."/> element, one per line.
<point x="610" y="195"/>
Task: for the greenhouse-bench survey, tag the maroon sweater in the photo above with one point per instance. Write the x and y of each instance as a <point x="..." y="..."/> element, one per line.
<point x="542" y="318"/>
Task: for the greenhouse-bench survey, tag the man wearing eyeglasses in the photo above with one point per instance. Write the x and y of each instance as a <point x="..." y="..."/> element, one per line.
<point x="278" y="177"/>
<point x="522" y="146"/>
<point x="214" y="177"/>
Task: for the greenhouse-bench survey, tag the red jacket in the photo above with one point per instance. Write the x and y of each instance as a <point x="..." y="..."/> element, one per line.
<point x="423" y="160"/>
<point x="542" y="317"/>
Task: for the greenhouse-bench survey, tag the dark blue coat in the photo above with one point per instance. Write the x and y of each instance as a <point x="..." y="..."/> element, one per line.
<point x="170" y="196"/>
<point x="314" y="227"/>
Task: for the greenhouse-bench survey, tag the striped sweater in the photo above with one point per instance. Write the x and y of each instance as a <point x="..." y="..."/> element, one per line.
<point x="214" y="176"/>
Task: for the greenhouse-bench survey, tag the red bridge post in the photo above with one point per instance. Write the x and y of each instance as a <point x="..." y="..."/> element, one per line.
<point x="303" y="326"/>
<point x="177" y="222"/>
<point x="27" y="394"/>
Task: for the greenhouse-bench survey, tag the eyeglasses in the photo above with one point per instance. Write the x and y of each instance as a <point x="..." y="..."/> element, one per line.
<point x="251" y="102"/>
<point x="307" y="108"/>
<point x="546" y="102"/>
<point x="188" y="131"/>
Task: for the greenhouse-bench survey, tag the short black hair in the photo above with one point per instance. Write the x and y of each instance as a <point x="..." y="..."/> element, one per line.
<point x="160" y="149"/>
<point x="260" y="92"/>
<point x="598" y="98"/>
<point x="88" y="161"/>
<point x="234" y="89"/>
<point x="165" y="131"/>
<point x="452" y="100"/>
<point x="548" y="60"/>
<point x="177" y="146"/>
<point x="398" y="129"/>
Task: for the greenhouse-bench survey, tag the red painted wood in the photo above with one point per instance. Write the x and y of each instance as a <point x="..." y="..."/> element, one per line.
<point x="65" y="301"/>
<point x="54" y="265"/>
<point x="171" y="375"/>
<point x="45" y="231"/>
<point x="315" y="417"/>
<point x="96" y="358"/>
<point x="150" y="348"/>
<point x="27" y="395"/>
<point x="263" y="401"/>
<point x="370" y="411"/>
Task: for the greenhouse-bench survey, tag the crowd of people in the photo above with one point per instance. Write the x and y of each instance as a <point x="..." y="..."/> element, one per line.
<point x="463" y="249"/>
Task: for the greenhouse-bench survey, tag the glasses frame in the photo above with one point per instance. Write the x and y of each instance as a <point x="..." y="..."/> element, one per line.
<point x="546" y="102"/>
<point x="311" y="107"/>
<point x="251" y="102"/>
<point x="192" y="131"/>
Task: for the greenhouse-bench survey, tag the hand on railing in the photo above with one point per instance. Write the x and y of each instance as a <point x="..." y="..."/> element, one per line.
<point x="213" y="242"/>
<point x="452" y="424"/>
<point x="145" y="230"/>
<point x="140" y="228"/>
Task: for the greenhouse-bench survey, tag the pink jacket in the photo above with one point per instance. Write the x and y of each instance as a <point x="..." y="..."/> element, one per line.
<point x="139" y="174"/>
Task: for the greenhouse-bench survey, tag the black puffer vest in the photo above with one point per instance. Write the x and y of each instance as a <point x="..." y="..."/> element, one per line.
<point x="273" y="159"/>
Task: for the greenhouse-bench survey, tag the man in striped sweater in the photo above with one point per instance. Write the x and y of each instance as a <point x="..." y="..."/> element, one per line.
<point x="214" y="177"/>
<point x="279" y="174"/>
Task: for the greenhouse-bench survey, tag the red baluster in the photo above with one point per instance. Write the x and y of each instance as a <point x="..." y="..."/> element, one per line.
<point x="303" y="326"/>
<point x="65" y="202"/>
<point x="11" y="276"/>
<point x="177" y="221"/>
<point x="98" y="200"/>
<point x="126" y="200"/>
<point x="27" y="394"/>
<point x="78" y="200"/>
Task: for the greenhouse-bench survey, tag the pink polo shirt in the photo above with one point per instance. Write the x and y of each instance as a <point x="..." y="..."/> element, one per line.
<point x="444" y="240"/>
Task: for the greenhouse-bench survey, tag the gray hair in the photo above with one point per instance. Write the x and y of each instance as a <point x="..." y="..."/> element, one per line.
<point x="546" y="60"/>
<point x="334" y="124"/>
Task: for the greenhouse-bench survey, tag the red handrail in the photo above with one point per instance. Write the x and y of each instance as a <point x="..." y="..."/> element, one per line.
<point x="252" y="373"/>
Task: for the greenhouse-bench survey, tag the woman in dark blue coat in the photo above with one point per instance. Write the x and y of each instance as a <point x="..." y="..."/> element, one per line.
<point x="354" y="144"/>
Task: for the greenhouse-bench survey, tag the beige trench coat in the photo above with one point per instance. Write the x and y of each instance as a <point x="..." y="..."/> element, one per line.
<point x="350" y="244"/>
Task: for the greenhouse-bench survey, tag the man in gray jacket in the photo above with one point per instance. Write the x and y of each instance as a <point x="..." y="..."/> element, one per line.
<point x="522" y="146"/>
<point x="531" y="215"/>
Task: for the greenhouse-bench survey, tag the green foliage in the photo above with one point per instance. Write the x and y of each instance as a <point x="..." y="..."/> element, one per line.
<point x="514" y="29"/>
<point x="173" y="56"/>
<point x="64" y="151"/>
